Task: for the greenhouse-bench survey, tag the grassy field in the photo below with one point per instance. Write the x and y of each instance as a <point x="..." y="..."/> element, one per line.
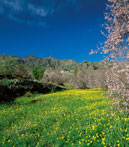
<point x="68" y="118"/>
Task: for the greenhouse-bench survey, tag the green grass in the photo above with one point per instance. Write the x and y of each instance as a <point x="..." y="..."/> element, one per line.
<point x="68" y="118"/>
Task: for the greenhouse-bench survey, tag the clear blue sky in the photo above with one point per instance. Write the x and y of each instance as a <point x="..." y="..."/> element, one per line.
<point x="64" y="29"/>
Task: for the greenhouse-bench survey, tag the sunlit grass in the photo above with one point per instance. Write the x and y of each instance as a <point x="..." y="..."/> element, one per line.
<point x="68" y="118"/>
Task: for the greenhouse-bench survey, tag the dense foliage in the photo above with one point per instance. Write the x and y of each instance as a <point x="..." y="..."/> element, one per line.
<point x="11" y="89"/>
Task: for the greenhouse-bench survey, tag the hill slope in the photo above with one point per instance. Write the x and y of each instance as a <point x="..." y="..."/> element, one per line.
<point x="51" y="62"/>
<point x="69" y="118"/>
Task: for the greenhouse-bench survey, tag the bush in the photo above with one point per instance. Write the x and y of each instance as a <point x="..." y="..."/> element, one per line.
<point x="28" y="94"/>
<point x="37" y="72"/>
<point x="54" y="76"/>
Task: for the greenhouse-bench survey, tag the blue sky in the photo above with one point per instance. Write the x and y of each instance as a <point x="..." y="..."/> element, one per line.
<point x="64" y="29"/>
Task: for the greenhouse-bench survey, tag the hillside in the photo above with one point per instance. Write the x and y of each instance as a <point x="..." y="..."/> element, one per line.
<point x="50" y="62"/>
<point x="78" y="118"/>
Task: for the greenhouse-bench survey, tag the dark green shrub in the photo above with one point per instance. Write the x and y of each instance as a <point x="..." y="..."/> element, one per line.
<point x="37" y="72"/>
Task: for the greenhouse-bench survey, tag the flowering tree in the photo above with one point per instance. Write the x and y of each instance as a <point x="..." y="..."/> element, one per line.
<point x="118" y="84"/>
<point x="116" y="47"/>
<point x="117" y="26"/>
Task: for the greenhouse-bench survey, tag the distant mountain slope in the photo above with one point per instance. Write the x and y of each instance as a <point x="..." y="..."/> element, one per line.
<point x="51" y="63"/>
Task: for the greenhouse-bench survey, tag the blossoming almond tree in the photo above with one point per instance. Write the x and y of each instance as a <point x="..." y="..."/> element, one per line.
<point x="117" y="26"/>
<point x="116" y="47"/>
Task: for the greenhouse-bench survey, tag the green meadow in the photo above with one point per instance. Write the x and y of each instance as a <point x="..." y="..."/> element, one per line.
<point x="67" y="118"/>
